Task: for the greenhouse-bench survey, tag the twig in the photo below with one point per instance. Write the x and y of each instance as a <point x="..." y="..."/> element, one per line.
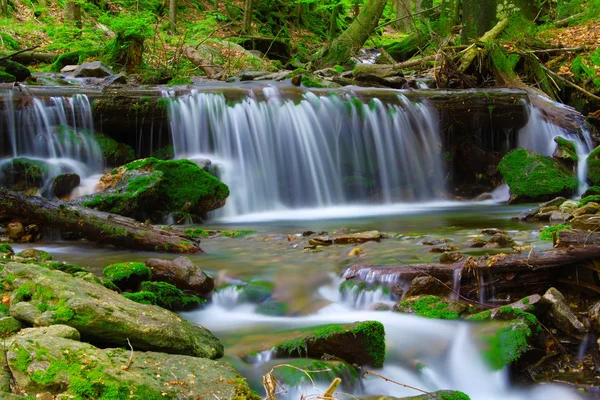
<point x="18" y="52"/>
<point x="406" y="16"/>
<point x="393" y="381"/>
<point x="130" y="356"/>
<point x="568" y="82"/>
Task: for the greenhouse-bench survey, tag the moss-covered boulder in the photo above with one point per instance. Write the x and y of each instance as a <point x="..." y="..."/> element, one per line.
<point x="115" y="154"/>
<point x="534" y="177"/>
<point x="35" y="255"/>
<point x="44" y="297"/>
<point x="130" y="194"/>
<point x="161" y="186"/>
<point x="170" y="297"/>
<point x="6" y="77"/>
<point x="593" y="162"/>
<point x="181" y="272"/>
<point x="57" y="365"/>
<point x="24" y="175"/>
<point x="127" y="275"/>
<point x="566" y="151"/>
<point x="19" y="71"/>
<point x="431" y="307"/>
<point x="591" y="191"/>
<point x="6" y="250"/>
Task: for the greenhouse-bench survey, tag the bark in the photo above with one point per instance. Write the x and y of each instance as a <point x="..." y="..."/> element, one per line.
<point x="472" y="52"/>
<point x="4" y="7"/>
<point x="480" y="16"/>
<point x="96" y="226"/>
<point x="403" y="13"/>
<point x="247" y="26"/>
<point x="173" y="15"/>
<point x="355" y="36"/>
<point x="73" y="13"/>
<point x="451" y="11"/>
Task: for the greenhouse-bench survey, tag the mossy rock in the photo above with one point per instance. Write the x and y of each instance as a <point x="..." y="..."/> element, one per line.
<point x="127" y="275"/>
<point x="19" y="71"/>
<point x="143" y="297"/>
<point x="534" y="177"/>
<point x="9" y="325"/>
<point x="62" y="266"/>
<point x="35" y="254"/>
<point x="6" y="250"/>
<point x="593" y="161"/>
<point x="591" y="191"/>
<point x="21" y="174"/>
<point x="274" y="308"/>
<point x="45" y="297"/>
<point x="169" y="296"/>
<point x="41" y="364"/>
<point x="115" y="154"/>
<point x="431" y="307"/>
<point x="566" y="150"/>
<point x="7" y="78"/>
<point x="358" y="343"/>
<point x="439" y="395"/>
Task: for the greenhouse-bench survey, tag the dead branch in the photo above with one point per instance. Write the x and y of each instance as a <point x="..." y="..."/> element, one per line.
<point x="18" y="52"/>
<point x="393" y="381"/>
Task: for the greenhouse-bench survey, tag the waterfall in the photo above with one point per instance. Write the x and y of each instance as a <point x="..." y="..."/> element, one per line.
<point x="317" y="151"/>
<point x="57" y="131"/>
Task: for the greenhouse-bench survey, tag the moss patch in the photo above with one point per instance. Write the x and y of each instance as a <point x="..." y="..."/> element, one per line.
<point x="546" y="233"/>
<point x="143" y="297"/>
<point x="169" y="296"/>
<point x="129" y="274"/>
<point x="429" y="307"/>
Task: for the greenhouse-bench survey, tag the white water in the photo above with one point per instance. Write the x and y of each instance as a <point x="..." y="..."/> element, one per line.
<point x="58" y="131"/>
<point x="317" y="152"/>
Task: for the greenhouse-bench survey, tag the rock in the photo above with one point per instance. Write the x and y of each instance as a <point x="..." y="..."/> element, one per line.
<point x="586" y="222"/>
<point x="355" y="252"/>
<point x="6" y="251"/>
<point x="183" y="273"/>
<point x="435" y="242"/>
<point x="274" y="76"/>
<point x="358" y="343"/>
<point x="595" y="317"/>
<point x="118" y="79"/>
<point x="431" y="307"/>
<point x="168" y="296"/>
<point x="254" y="291"/>
<point x="246" y="75"/>
<point x="352" y="238"/>
<point x="19" y="71"/>
<point x="450" y="257"/>
<point x="558" y="218"/>
<point x="68" y="68"/>
<point x="35" y="254"/>
<point x="15" y="229"/>
<point x="534" y="177"/>
<point x="24" y="175"/>
<point x="127" y="275"/>
<point x="568" y="207"/>
<point x="9" y="325"/>
<point x="591" y="191"/>
<point x="477" y="243"/>
<point x="426" y="285"/>
<point x="94" y="69"/>
<point x="562" y="316"/>
<point x="532" y="212"/>
<point x="114" y="153"/>
<point x="274" y="308"/>
<point x="71" y="367"/>
<point x="544" y="216"/>
<point x="565" y="151"/>
<point x="64" y="184"/>
<point x="502" y="239"/>
<point x="444" y="248"/>
<point x="588" y="209"/>
<point x="61" y="331"/>
<point x="102" y="315"/>
<point x="491" y="231"/>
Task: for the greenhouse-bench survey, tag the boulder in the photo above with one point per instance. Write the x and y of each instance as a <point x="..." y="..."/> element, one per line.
<point x="568" y="207"/>
<point x="56" y="365"/>
<point x="15" y="230"/>
<point x="181" y="272"/>
<point x="19" y="71"/>
<point x="101" y="315"/>
<point x="64" y="184"/>
<point x="9" y="325"/>
<point x="565" y="151"/>
<point x="431" y="307"/>
<point x="24" y="175"/>
<point x="562" y="316"/>
<point x="94" y="69"/>
<point x="586" y="223"/>
<point x="502" y="239"/>
<point x="558" y="218"/>
<point x="534" y="177"/>
<point x="61" y="331"/>
<point x="35" y="255"/>
<point x="587" y="209"/>
<point x="127" y="275"/>
<point x="427" y="285"/>
<point x="532" y="212"/>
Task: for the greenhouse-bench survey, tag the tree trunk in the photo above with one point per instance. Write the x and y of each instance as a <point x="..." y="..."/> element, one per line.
<point x="355" y="36"/>
<point x="173" y="15"/>
<point x="248" y="4"/>
<point x="404" y="11"/>
<point x="470" y="54"/>
<point x="4" y="7"/>
<point x="479" y="16"/>
<point x="333" y="22"/>
<point x="95" y="225"/>
<point x="73" y="13"/>
<point x="451" y="11"/>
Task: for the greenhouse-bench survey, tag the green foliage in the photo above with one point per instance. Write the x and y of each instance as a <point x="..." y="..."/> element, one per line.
<point x="6" y="249"/>
<point x="587" y="68"/>
<point x="142" y="297"/>
<point x="238" y="233"/>
<point x="9" y="42"/>
<point x="568" y="147"/>
<point x="169" y="296"/>
<point x="138" y="25"/>
<point x="6" y="77"/>
<point x="546" y="233"/>
<point x="63" y="314"/>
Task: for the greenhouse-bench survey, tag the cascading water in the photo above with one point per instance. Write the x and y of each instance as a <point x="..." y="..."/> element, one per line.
<point x="316" y="152"/>
<point x="57" y="131"/>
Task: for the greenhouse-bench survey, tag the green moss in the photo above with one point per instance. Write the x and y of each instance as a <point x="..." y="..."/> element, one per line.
<point x="338" y="68"/>
<point x="568" y="147"/>
<point x="169" y="296"/>
<point x="64" y="267"/>
<point x="107" y="283"/>
<point x="256" y="291"/>
<point x="507" y="345"/>
<point x="591" y="191"/>
<point x="272" y="308"/>
<point x="546" y="233"/>
<point x="526" y="300"/>
<point x="238" y="233"/>
<point x="589" y="199"/>
<point x="6" y="249"/>
<point x="23" y="292"/>
<point x="4" y="309"/>
<point x="63" y="313"/>
<point x="6" y="77"/>
<point x="482" y="316"/>
<point x="114" y="153"/>
<point x="196" y="232"/>
<point x="23" y="360"/>
<point x="125" y="271"/>
<point x="594" y="166"/>
<point x="431" y="307"/>
<point x="532" y="175"/>
<point x="454" y="395"/>
<point x="374" y="333"/>
<point x="311" y="81"/>
<point x="142" y="297"/>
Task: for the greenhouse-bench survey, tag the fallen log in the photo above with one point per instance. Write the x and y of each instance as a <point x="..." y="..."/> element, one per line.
<point x="95" y="225"/>
<point x="387" y="70"/>
<point x="32" y="57"/>
<point x="196" y="58"/>
<point x="471" y="52"/>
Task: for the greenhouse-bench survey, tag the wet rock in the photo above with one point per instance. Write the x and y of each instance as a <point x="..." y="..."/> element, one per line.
<point x="422" y="285"/>
<point x="534" y="177"/>
<point x="307" y="233"/>
<point x="15" y="229"/>
<point x="491" y="231"/>
<point x="380" y="307"/>
<point x="114" y="153"/>
<point x="547" y="209"/>
<point x="435" y="242"/>
<point x="103" y="372"/>
<point x="568" y="207"/>
<point x="398" y="290"/>
<point x="586" y="222"/>
<point x="562" y="316"/>
<point x="275" y="76"/>
<point x="444" y="248"/>
<point x="94" y="69"/>
<point x="355" y="252"/>
<point x="358" y="343"/>
<point x="565" y="151"/>
<point x="529" y="214"/>
<point x="595" y="317"/>
<point x="543" y="216"/>
<point x="103" y="316"/>
<point x="35" y="254"/>
<point x="118" y="79"/>
<point x="450" y="257"/>
<point x="63" y="184"/>
<point x="558" y="218"/>
<point x="477" y="243"/>
<point x="181" y="272"/>
<point x="431" y="307"/>
<point x="247" y="75"/>
<point x="19" y="71"/>
<point x="68" y="68"/>
<point x="588" y="209"/>
<point x="352" y="238"/>
<point x="502" y="239"/>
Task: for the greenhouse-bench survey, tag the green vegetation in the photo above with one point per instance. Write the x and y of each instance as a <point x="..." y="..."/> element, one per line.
<point x="546" y="233"/>
<point x="429" y="307"/>
<point x="589" y="199"/>
<point x="126" y="275"/>
<point x="169" y="296"/>
<point x="143" y="297"/>
<point x="6" y="249"/>
<point x="567" y="147"/>
<point x="508" y="344"/>
<point x="114" y="153"/>
<point x="272" y="308"/>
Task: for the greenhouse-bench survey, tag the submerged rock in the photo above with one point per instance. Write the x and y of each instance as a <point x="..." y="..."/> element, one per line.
<point x="101" y="315"/>
<point x="181" y="272"/>
<point x="351" y="238"/>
